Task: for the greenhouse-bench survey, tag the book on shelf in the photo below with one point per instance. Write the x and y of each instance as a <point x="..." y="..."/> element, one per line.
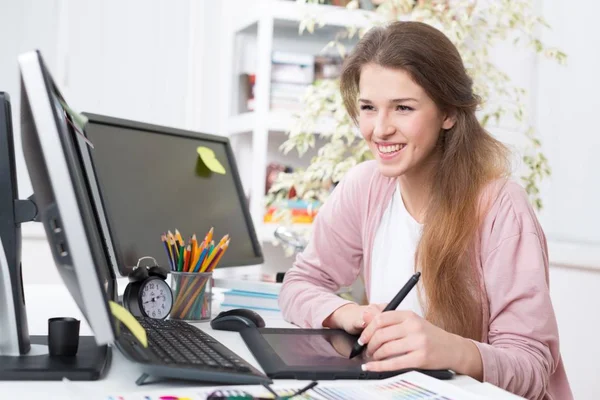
<point x="328" y="67"/>
<point x="273" y="171"/>
<point x="235" y="298"/>
<point x="302" y="211"/>
<point x="293" y="91"/>
<point x="254" y="291"/>
<point x="287" y="96"/>
<point x="297" y="216"/>
<point x="291" y="75"/>
<point x="287" y="67"/>
<point x="246" y="97"/>
<point x="255" y="283"/>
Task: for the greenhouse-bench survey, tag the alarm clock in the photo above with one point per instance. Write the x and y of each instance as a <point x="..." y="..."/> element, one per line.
<point x="147" y="294"/>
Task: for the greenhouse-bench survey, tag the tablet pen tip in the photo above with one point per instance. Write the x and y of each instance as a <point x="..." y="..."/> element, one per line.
<point x="356" y="349"/>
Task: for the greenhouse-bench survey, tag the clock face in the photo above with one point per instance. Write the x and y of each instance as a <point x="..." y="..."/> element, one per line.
<point x="157" y="299"/>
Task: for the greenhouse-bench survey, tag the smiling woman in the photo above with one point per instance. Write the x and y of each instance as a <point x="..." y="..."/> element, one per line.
<point x="405" y="96"/>
<point x="436" y="199"/>
<point x="396" y="115"/>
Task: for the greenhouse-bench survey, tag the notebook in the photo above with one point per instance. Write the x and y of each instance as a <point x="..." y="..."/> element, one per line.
<point x="409" y="386"/>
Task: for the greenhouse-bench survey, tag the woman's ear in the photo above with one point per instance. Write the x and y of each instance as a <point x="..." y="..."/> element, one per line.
<point x="449" y="121"/>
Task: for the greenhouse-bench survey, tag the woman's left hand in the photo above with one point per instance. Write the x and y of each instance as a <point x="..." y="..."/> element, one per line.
<point x="402" y="339"/>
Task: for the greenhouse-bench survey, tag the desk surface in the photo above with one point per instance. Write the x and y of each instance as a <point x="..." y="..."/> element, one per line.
<point x="47" y="301"/>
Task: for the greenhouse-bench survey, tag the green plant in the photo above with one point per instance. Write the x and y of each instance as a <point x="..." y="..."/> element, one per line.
<point x="474" y="27"/>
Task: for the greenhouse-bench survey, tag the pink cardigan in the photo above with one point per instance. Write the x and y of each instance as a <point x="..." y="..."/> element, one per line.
<point x="520" y="349"/>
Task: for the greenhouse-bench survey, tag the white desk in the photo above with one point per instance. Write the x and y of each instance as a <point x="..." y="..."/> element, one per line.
<point x="46" y="301"/>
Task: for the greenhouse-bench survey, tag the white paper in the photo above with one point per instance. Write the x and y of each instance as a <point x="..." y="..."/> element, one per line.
<point x="409" y="386"/>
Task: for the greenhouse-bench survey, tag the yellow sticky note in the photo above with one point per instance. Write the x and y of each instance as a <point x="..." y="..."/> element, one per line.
<point x="208" y="158"/>
<point x="130" y="322"/>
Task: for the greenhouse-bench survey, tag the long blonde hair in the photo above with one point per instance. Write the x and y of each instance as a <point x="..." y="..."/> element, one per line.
<point x="470" y="159"/>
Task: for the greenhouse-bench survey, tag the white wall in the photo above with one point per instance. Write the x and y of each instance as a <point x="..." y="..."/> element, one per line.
<point x="25" y="25"/>
<point x="566" y="115"/>
<point x="563" y="106"/>
<point x="575" y="298"/>
<point x="28" y="25"/>
<point x="128" y="59"/>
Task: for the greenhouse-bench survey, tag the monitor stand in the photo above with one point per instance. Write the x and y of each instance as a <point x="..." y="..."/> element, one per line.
<point x="90" y="362"/>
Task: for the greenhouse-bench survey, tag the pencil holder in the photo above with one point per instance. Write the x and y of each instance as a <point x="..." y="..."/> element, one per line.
<point x="192" y="294"/>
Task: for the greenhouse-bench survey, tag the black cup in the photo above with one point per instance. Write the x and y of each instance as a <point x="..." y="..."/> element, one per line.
<point x="63" y="336"/>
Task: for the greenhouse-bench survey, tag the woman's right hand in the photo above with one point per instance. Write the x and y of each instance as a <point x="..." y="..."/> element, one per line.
<point x="351" y="317"/>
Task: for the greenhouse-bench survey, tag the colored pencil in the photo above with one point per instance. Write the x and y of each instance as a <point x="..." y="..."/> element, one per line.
<point x="172" y="239"/>
<point x="207" y="259"/>
<point x="218" y="257"/>
<point x="163" y="239"/>
<point x="174" y="251"/>
<point x="194" y="249"/>
<point x="179" y="238"/>
<point x="223" y="240"/>
<point x="216" y="254"/>
<point x="174" y="246"/>
<point x="194" y="260"/>
<point x="180" y="262"/>
<point x="186" y="259"/>
<point x="198" y="265"/>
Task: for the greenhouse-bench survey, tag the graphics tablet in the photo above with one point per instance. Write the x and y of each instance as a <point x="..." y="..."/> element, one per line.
<point x="313" y="354"/>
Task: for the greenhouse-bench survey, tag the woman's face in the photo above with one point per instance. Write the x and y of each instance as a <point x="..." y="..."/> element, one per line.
<point x="400" y="123"/>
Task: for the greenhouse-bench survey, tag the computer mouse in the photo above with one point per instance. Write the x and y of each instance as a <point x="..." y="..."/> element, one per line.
<point x="236" y="320"/>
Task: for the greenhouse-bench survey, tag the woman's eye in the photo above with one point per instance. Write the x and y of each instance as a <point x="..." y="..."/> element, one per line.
<point x="366" y="107"/>
<point x="403" y="108"/>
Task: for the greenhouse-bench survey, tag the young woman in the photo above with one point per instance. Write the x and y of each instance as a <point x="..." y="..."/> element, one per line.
<point x="436" y="199"/>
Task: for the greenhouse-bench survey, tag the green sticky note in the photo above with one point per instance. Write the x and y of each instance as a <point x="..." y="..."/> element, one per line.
<point x="210" y="160"/>
<point x="79" y="119"/>
<point x="78" y="123"/>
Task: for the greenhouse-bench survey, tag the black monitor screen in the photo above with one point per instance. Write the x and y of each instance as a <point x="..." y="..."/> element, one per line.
<point x="152" y="180"/>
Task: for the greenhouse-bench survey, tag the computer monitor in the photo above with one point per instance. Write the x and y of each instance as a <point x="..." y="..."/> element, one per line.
<point x="26" y="357"/>
<point x="152" y="180"/>
<point x="63" y="196"/>
<point x="14" y="334"/>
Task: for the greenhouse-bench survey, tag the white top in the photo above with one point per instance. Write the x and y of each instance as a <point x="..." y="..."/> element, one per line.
<point x="394" y="249"/>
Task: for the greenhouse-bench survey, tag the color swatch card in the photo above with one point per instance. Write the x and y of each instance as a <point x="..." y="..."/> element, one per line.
<point x="409" y="386"/>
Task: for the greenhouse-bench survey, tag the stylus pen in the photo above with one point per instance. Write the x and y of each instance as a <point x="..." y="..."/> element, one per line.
<point x="392" y="305"/>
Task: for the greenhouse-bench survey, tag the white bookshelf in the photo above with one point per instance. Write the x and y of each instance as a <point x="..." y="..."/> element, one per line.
<point x="254" y="29"/>
<point x="277" y="121"/>
<point x="282" y="11"/>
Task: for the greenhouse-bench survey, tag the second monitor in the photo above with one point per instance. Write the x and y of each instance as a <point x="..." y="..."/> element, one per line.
<point x="152" y="179"/>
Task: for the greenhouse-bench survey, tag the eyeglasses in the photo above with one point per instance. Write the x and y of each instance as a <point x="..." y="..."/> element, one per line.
<point x="241" y="395"/>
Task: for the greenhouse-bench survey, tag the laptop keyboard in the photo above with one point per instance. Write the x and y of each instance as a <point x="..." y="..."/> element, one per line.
<point x="179" y="343"/>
